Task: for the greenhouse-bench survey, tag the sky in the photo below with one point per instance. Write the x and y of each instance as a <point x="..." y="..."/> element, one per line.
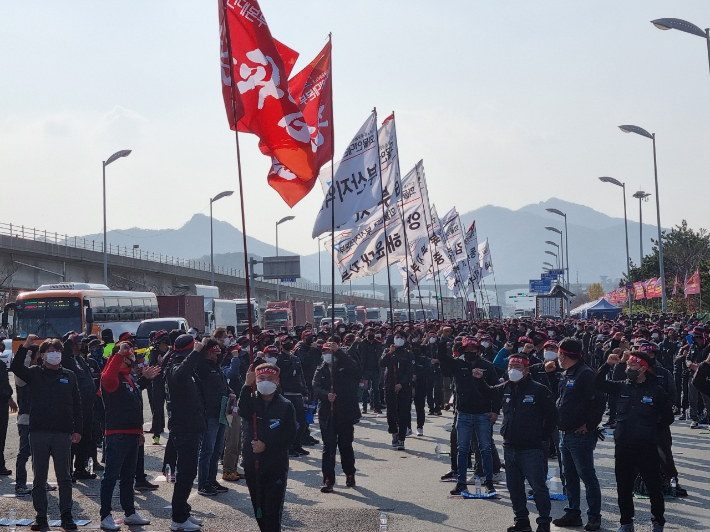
<point x="507" y="103"/>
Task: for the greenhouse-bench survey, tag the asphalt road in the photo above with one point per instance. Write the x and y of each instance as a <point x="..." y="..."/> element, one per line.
<point x="404" y="484"/>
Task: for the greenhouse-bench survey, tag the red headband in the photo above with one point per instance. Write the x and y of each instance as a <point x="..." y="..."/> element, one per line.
<point x="519" y="360"/>
<point x="568" y="352"/>
<point x="641" y="361"/>
<point x="261" y="370"/>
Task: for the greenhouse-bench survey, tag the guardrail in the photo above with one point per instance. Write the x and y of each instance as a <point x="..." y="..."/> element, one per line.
<point x="58" y="239"/>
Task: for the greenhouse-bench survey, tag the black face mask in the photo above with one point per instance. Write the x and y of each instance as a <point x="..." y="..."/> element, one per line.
<point x="287" y="346"/>
<point x="537" y="341"/>
<point x="633" y="374"/>
<point x="371" y="337"/>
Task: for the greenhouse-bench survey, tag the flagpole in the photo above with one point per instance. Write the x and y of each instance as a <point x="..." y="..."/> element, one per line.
<point x="384" y="218"/>
<point x="332" y="209"/>
<point x="426" y="221"/>
<point x="495" y="282"/>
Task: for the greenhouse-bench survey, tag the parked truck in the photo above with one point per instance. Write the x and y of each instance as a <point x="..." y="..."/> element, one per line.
<point x="287" y="314"/>
<point x="453" y="308"/>
<point x="189" y="307"/>
<point x="318" y="313"/>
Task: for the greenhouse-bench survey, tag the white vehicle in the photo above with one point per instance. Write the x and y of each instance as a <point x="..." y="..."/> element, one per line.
<point x="158" y="324"/>
<point x="243" y="316"/>
<point x="376" y="314"/>
<point x="339" y="311"/>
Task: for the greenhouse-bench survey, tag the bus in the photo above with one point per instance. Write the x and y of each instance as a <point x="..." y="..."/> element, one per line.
<point x="55" y="309"/>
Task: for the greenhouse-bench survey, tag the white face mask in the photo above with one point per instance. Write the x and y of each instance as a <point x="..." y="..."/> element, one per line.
<point x="654" y="335"/>
<point x="432" y="340"/>
<point x="515" y="375"/>
<point x="520" y="349"/>
<point x="486" y="344"/>
<point x="550" y="333"/>
<point x="266" y="387"/>
<point x="53" y="357"/>
<point x="328" y="358"/>
<point x="271" y="360"/>
<point x="399" y="342"/>
<point x="550" y="355"/>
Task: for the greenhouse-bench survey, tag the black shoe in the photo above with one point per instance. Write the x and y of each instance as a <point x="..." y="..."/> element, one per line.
<point x="680" y="492"/>
<point x="327" y="486"/>
<point x="682" y="417"/>
<point x="350" y="481"/>
<point x="98" y="466"/>
<point x="521" y="525"/>
<point x="301" y="450"/>
<point x="458" y="489"/>
<point x="81" y="474"/>
<point x="694" y="425"/>
<point x="450" y="474"/>
<point x="364" y="410"/>
<point x="395" y="440"/>
<point x="219" y="488"/>
<point x="377" y="411"/>
<point x="490" y="490"/>
<point x="543" y="527"/>
<point x="207" y="490"/>
<point x="447" y="406"/>
<point x="5" y="471"/>
<point x="568" y="520"/>
<point x="68" y="522"/>
<point x="438" y="413"/>
<point x="49" y="487"/>
<point x="293" y="454"/>
<point x="144" y="485"/>
<point x="309" y="440"/>
<point x="40" y="524"/>
<point x="400" y="446"/>
<point x="593" y="524"/>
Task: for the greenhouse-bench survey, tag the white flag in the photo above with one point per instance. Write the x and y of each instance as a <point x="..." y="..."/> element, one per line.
<point x="471" y="241"/>
<point x="448" y="218"/>
<point x="484" y="252"/>
<point x="413" y="212"/>
<point x="356" y="185"/>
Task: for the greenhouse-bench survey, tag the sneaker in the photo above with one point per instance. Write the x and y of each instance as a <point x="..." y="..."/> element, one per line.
<point x="694" y="425"/>
<point x="364" y="410"/>
<point x="400" y="446"/>
<point x="156" y="440"/>
<point x="232" y="476"/>
<point x="521" y="525"/>
<point x="568" y="520"/>
<point x="219" y="488"/>
<point x="656" y="527"/>
<point x="41" y="524"/>
<point x="543" y="527"/>
<point x="68" y="523"/>
<point x="498" y="477"/>
<point x="187" y="526"/>
<point x="327" y="486"/>
<point x="98" y="466"/>
<point x="49" y="487"/>
<point x="593" y="524"/>
<point x="195" y="520"/>
<point x="682" y="417"/>
<point x="420" y="431"/>
<point x="350" y="481"/>
<point x="207" y="490"/>
<point x="626" y="528"/>
<point x="448" y="476"/>
<point x="395" y="440"/>
<point x="460" y="488"/>
<point x="135" y="519"/>
<point x="301" y="450"/>
<point x="292" y="453"/>
<point x="84" y="475"/>
<point x="310" y="440"/>
<point x="490" y="490"/>
<point x="680" y="492"/>
<point x="22" y="490"/>
<point x="409" y="431"/>
<point x="144" y="485"/>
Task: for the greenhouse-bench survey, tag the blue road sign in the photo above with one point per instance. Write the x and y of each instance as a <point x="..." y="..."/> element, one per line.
<point x="289" y="280"/>
<point x="556" y="272"/>
<point x="548" y="277"/>
<point x="540" y="286"/>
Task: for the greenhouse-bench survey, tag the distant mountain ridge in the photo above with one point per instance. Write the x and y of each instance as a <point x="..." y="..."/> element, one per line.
<point x="517" y="241"/>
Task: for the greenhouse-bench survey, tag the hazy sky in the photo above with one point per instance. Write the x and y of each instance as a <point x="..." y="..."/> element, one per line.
<point x="508" y="103"/>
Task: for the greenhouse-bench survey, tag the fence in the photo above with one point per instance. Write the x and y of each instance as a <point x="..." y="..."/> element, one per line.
<point x="58" y="239"/>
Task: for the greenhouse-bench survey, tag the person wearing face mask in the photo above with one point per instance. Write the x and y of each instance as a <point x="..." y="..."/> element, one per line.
<point x="335" y="385"/>
<point x="370" y="351"/>
<point x="580" y="407"/>
<point x="475" y="412"/>
<point x="156" y="355"/>
<point x="435" y="382"/>
<point x="55" y="423"/>
<point x="123" y="405"/>
<point x="310" y="357"/>
<point x="423" y="373"/>
<point x="398" y="363"/>
<point x="293" y="388"/>
<point x="696" y="354"/>
<point x="216" y="393"/>
<point x="643" y="409"/>
<point x="529" y="418"/>
<point x="269" y="432"/>
<point x="23" y="424"/>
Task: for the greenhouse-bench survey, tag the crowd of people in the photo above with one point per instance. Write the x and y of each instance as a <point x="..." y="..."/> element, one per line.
<point x="248" y="402"/>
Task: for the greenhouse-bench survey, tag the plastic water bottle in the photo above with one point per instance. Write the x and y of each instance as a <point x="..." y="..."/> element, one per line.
<point x="91" y="466"/>
<point x="13" y="521"/>
<point x="437" y="450"/>
<point x="478" y="486"/>
<point x="167" y="473"/>
<point x="383" y="522"/>
<point x="674" y="485"/>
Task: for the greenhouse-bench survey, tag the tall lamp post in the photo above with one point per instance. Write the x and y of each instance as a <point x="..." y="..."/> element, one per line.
<point x="626" y="228"/>
<point x="556" y="245"/>
<point x="212" y="200"/>
<point x="566" y="251"/>
<point x="652" y="136"/>
<point x="641" y="196"/>
<point x="117" y="155"/>
<point x="320" y="289"/>
<point x="684" y="26"/>
<point x="278" y="281"/>
<point x="548" y="264"/>
<point x="562" y="249"/>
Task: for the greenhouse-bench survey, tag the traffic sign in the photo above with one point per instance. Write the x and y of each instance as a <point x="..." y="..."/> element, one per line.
<point x="288" y="280"/>
<point x="556" y="272"/>
<point x="548" y="277"/>
<point x="540" y="286"/>
<point x="629" y="285"/>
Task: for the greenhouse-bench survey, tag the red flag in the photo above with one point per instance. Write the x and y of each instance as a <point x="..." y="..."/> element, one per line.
<point x="638" y="291"/>
<point x="651" y="288"/>
<point x="257" y="74"/>
<point x="312" y="88"/>
<point x="693" y="284"/>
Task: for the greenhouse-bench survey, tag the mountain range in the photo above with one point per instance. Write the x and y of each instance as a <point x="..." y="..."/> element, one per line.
<point x="516" y="237"/>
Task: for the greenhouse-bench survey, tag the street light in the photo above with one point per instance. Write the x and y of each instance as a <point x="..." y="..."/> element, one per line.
<point x="562" y="248"/>
<point x="626" y="228"/>
<point x="548" y="264"/>
<point x="556" y="245"/>
<point x="684" y="26"/>
<point x="212" y="200"/>
<point x="278" y="282"/>
<point x="641" y="196"/>
<point x="652" y="136"/>
<point x="117" y="155"/>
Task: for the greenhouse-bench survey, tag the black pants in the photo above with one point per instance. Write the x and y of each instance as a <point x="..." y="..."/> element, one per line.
<point x="169" y="456"/>
<point x="86" y="448"/>
<point x="399" y="411"/>
<point x="630" y="461"/>
<point x="681" y="376"/>
<point x="57" y="445"/>
<point x="4" y="420"/>
<point x="187" y="445"/>
<point x="157" y="405"/>
<point x="140" y="475"/>
<point x="665" y="453"/>
<point x="435" y="392"/>
<point x="267" y="490"/>
<point x="420" y="401"/>
<point x="297" y="402"/>
<point x="337" y="435"/>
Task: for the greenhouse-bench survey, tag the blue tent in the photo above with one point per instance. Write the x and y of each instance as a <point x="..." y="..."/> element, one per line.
<point x="597" y="309"/>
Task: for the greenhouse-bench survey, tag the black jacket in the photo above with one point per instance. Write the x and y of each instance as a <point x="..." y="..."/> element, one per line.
<point x="469" y="398"/>
<point x="291" y="376"/>
<point x="665" y="380"/>
<point x="423" y="369"/>
<point x="54" y="400"/>
<point x="549" y="379"/>
<point x="529" y="412"/>
<point x="5" y="388"/>
<point x="701" y="379"/>
<point x="184" y="394"/>
<point x="641" y="409"/>
<point x="123" y="407"/>
<point x="214" y="387"/>
<point x="399" y="367"/>
<point x="345" y="374"/>
<point x="370" y="353"/>
<point x="276" y="427"/>
<point x="310" y="357"/>
<point x="579" y="402"/>
<point x="84" y="376"/>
